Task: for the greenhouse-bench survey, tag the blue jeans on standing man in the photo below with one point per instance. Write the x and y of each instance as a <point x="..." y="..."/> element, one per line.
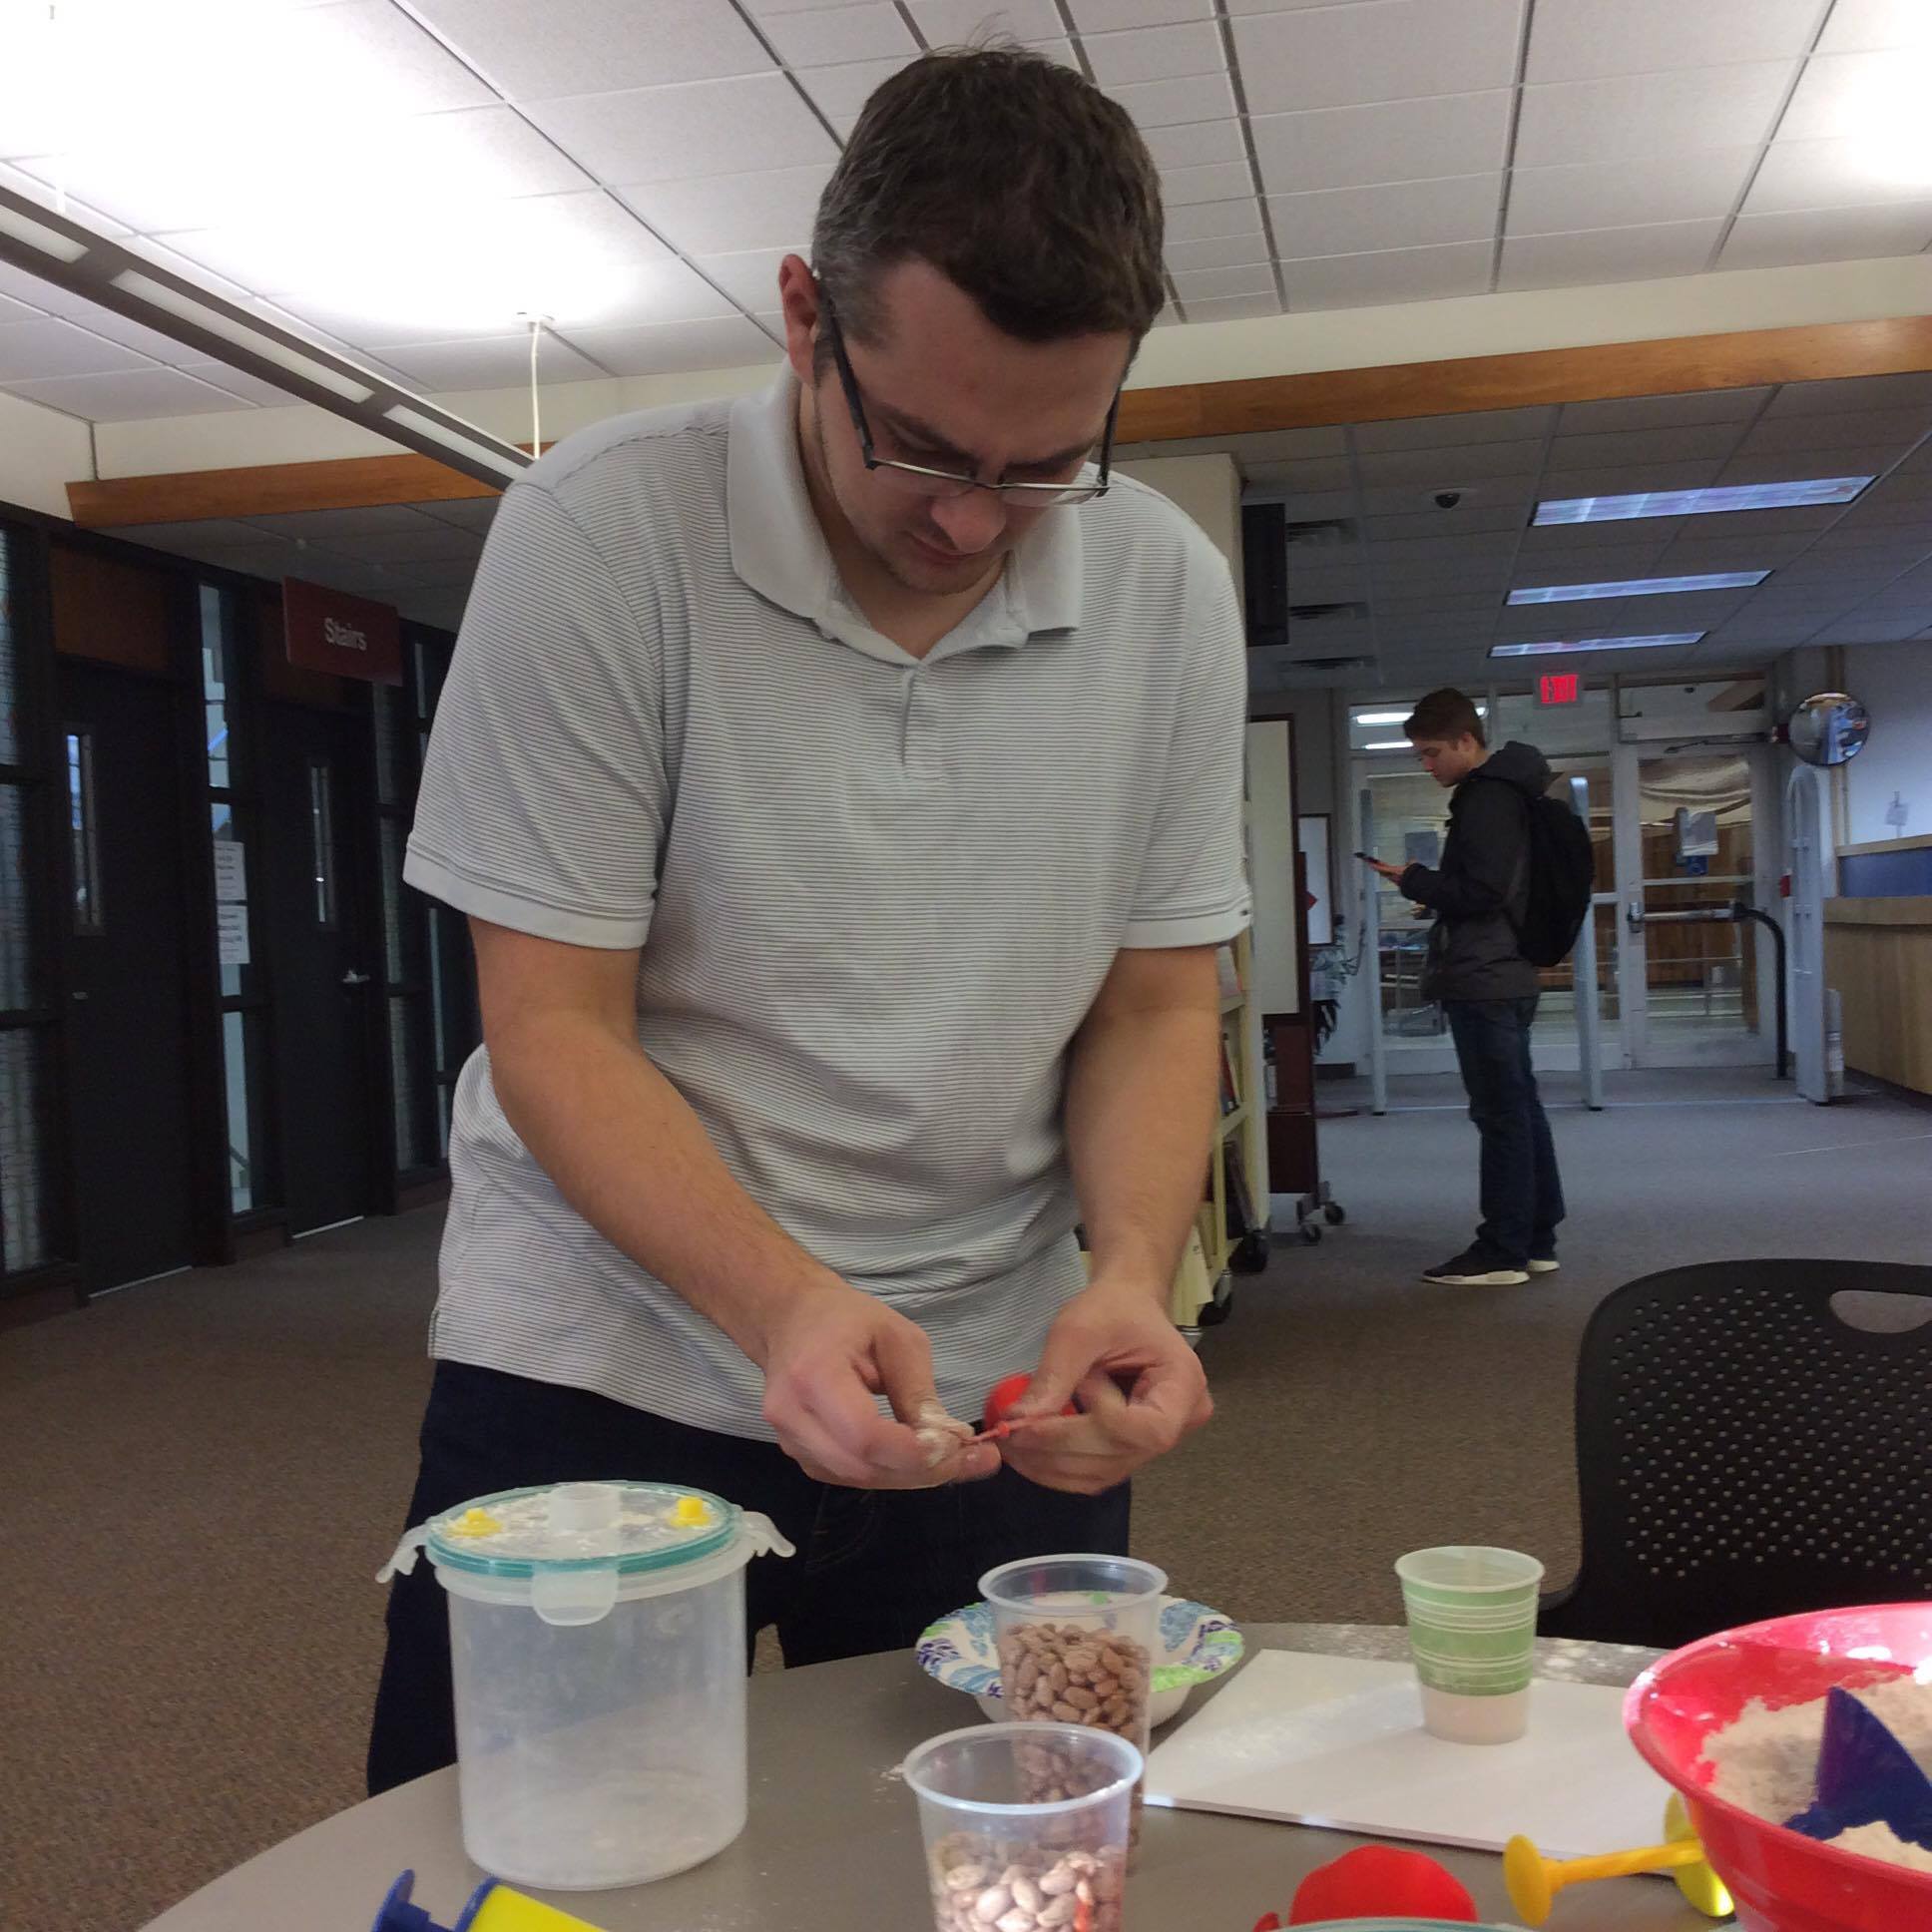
<point x="1522" y="1193"/>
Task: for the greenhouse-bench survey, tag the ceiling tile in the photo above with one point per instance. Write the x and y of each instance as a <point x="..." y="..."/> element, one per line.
<point x="467" y="513"/>
<point x="953" y="23"/>
<point x="1822" y="174"/>
<point x="1389" y="275"/>
<point x="595" y="46"/>
<point x="497" y="362"/>
<point x="496" y="150"/>
<point x="1648" y="113"/>
<point x="1662" y="188"/>
<point x="45" y="346"/>
<point x="1156" y="53"/>
<point x="1837" y="96"/>
<point x="1858" y="24"/>
<point x="751" y="278"/>
<point x="238" y="383"/>
<point x="1104" y="15"/>
<point x="1600" y="449"/>
<point x="1844" y="396"/>
<point x="1397" y="215"/>
<point x="1850" y="430"/>
<point x="1212" y="221"/>
<point x="843" y="91"/>
<point x="1172" y="102"/>
<point x="729" y="344"/>
<point x="1626" y="479"/>
<point x="1663" y="413"/>
<point x="1780" y="466"/>
<point x="1198" y="285"/>
<point x="1587" y="40"/>
<point x="418" y="74"/>
<point x="1227" y="251"/>
<point x="1233" y="309"/>
<point x="432" y="542"/>
<point x="673" y="133"/>
<point x="1450" y="463"/>
<point x="1440" y="432"/>
<point x="1455" y="133"/>
<point x="1224" y="181"/>
<point x="1386" y="50"/>
<point x="1608" y="255"/>
<point x="339" y="527"/>
<point x="1828" y="235"/>
<point x="1196" y="143"/>
<point x="128" y="395"/>
<point x="829" y="36"/>
<point x="730" y="214"/>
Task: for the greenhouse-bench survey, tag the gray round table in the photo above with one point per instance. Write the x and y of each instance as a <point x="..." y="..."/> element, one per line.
<point x="833" y="1840"/>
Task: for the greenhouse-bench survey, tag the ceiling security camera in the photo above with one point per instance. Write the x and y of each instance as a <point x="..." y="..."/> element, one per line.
<point x="1448" y="499"/>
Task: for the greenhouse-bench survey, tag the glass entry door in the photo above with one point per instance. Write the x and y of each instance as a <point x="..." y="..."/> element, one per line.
<point x="1693" y="836"/>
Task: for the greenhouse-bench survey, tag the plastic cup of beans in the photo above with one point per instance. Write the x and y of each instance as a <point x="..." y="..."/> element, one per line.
<point x="1026" y="1826"/>
<point x="1078" y="1637"/>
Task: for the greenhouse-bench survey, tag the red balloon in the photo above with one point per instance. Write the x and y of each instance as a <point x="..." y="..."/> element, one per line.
<point x="1381" y="1881"/>
<point x="1004" y="1397"/>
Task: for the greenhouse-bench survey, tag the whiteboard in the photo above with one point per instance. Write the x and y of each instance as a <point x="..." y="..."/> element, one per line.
<point x="1276" y="984"/>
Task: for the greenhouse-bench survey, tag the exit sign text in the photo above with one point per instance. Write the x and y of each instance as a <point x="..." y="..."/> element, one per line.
<point x="1559" y="687"/>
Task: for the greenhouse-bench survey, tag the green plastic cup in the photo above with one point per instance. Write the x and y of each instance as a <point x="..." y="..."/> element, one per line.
<point x="1472" y="1633"/>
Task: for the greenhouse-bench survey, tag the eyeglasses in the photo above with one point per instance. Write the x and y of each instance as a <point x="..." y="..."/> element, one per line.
<point x="919" y="480"/>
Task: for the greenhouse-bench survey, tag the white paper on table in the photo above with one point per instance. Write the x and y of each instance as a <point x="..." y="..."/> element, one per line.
<point x="1339" y="1741"/>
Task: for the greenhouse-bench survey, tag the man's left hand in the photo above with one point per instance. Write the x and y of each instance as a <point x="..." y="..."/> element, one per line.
<point x="1139" y="1385"/>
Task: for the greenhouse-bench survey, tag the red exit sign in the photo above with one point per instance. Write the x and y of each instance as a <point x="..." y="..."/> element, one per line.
<point x="1559" y="687"/>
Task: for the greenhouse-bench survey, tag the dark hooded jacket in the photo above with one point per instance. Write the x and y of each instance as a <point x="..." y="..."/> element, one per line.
<point x="1480" y="891"/>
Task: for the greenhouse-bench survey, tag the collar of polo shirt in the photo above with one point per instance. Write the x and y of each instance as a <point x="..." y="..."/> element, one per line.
<point x="779" y="549"/>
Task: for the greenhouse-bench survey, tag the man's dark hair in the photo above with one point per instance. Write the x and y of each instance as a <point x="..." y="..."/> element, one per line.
<point x="1014" y="177"/>
<point x="1445" y="713"/>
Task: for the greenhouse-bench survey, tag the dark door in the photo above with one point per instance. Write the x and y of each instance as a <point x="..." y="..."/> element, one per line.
<point x="127" y="1040"/>
<point x="320" y="959"/>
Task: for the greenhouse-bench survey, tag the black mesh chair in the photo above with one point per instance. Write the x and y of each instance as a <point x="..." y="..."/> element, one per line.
<point x="1743" y="1452"/>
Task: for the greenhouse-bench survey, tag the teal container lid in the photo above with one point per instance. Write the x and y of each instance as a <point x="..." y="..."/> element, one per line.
<point x="564" y="1528"/>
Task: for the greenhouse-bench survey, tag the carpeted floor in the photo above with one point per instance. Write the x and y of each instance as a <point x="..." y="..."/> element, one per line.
<point x="201" y="1475"/>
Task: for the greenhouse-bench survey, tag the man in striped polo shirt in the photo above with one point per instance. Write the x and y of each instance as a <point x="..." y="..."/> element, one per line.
<point x="844" y="787"/>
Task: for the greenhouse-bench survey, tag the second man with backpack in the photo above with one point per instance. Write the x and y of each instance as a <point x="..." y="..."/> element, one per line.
<point x="1508" y="896"/>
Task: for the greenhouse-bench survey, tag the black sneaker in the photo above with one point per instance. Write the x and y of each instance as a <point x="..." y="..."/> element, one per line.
<point x="1474" y="1269"/>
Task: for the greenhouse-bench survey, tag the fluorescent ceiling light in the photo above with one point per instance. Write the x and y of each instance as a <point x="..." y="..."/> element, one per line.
<point x="1547" y="648"/>
<point x="39" y="237"/>
<point x="1389" y="745"/>
<point x="272" y="348"/>
<point x="1886" y="109"/>
<point x="1396" y="718"/>
<point x="1699" y="503"/>
<point x="441" y="432"/>
<point x="1722" y="580"/>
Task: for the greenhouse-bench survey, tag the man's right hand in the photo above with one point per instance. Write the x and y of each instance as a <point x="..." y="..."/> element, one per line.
<point x="826" y="1352"/>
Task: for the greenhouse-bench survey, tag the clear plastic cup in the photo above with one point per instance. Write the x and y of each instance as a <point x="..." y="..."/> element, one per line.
<point x="1079" y="1638"/>
<point x="1026" y="1826"/>
<point x="1472" y="1632"/>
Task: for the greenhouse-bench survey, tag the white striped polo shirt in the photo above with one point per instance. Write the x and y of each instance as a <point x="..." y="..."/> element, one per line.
<point x="876" y="895"/>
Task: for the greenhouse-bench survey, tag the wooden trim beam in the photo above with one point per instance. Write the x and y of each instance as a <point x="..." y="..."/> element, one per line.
<point x="269" y="490"/>
<point x="1671" y="366"/>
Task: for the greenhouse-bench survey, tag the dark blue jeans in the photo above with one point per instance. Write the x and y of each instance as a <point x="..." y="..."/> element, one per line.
<point x="873" y="1569"/>
<point x="1522" y="1193"/>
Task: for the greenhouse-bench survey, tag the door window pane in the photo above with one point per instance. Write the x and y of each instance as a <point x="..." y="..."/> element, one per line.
<point x="16" y="935"/>
<point x="242" y="1178"/>
<point x="322" y="840"/>
<point x="415" y="1101"/>
<point x="215" y="688"/>
<point x="25" y="1238"/>
<point x="89" y="913"/>
<point x="9" y="671"/>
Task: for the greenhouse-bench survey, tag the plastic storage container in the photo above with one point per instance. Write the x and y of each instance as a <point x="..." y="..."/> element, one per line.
<point x="597" y="1633"/>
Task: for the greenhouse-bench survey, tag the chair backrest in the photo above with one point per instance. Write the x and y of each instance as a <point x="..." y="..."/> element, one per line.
<point x="1743" y="1452"/>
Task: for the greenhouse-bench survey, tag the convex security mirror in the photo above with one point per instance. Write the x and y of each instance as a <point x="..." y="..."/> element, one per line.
<point x="1829" y="727"/>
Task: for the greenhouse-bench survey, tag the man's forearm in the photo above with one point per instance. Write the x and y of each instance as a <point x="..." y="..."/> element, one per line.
<point x="1139" y="1121"/>
<point x="627" y="1152"/>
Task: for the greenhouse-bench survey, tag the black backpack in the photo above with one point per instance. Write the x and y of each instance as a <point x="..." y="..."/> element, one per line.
<point x="1563" y="874"/>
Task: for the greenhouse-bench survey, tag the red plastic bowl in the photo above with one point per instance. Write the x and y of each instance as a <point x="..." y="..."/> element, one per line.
<point x="1782" y="1880"/>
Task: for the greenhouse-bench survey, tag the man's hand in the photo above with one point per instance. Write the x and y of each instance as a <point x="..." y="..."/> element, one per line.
<point x="826" y="1352"/>
<point x="1392" y="872"/>
<point x="1140" y="1384"/>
